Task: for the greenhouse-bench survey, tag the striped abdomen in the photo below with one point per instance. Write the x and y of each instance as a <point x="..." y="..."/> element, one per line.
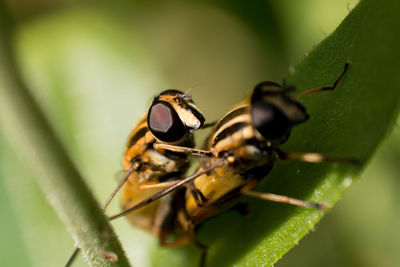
<point x="234" y="135"/>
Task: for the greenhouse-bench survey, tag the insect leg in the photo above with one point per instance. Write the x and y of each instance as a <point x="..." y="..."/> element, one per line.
<point x="285" y="199"/>
<point x="183" y="240"/>
<point x="197" y="194"/>
<point x="242" y="208"/>
<point x="325" y="88"/>
<point x="181" y="149"/>
<point x="314" y="157"/>
<point x="72" y="257"/>
<point x="168" y="190"/>
<point x="164" y="222"/>
<point x="247" y="191"/>
<point x="156" y="184"/>
<point x="203" y="248"/>
<point x="121" y="183"/>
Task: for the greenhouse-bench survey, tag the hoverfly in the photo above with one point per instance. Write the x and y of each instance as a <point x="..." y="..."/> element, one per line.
<point x="171" y="119"/>
<point x="240" y="151"/>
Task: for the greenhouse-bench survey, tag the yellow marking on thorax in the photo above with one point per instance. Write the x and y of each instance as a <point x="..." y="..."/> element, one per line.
<point x="235" y="140"/>
<point x="138" y="149"/>
<point x="240" y="118"/>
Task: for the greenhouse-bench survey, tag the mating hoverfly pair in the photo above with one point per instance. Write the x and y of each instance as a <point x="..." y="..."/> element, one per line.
<point x="239" y="152"/>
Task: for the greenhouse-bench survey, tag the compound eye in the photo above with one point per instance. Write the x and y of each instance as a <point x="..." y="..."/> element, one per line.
<point x="269" y="121"/>
<point x="164" y="123"/>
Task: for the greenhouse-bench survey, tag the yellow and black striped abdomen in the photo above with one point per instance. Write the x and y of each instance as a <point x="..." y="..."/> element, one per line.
<point x="235" y="136"/>
<point x="231" y="131"/>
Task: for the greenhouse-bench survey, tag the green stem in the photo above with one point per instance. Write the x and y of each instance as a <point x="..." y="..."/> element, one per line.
<point x="35" y="142"/>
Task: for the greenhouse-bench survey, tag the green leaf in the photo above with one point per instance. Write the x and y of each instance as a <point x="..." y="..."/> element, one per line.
<point x="350" y="122"/>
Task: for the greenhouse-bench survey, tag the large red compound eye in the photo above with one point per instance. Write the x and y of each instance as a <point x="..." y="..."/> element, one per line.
<point x="164" y="123"/>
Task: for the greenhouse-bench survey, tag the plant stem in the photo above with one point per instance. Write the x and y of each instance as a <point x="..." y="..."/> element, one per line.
<point x="35" y="142"/>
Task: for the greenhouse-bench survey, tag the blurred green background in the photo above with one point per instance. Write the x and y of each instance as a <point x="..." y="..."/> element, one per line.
<point x="93" y="68"/>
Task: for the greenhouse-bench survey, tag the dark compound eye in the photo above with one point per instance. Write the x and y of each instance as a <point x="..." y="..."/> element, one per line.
<point x="164" y="123"/>
<point x="269" y="121"/>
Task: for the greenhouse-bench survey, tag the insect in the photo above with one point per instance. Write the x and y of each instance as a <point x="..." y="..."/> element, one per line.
<point x="171" y="118"/>
<point x="240" y="151"/>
